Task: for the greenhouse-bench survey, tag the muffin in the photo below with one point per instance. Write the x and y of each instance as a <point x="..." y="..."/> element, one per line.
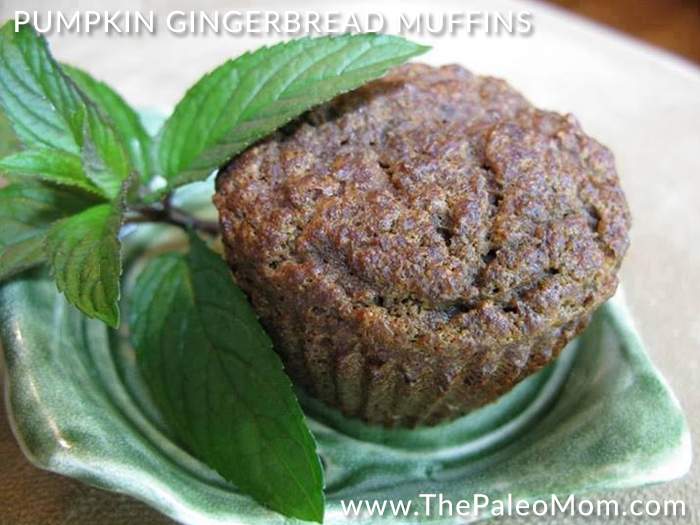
<point x="417" y="247"/>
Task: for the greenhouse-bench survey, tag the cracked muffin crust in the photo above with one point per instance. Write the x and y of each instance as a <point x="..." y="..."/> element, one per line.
<point x="417" y="247"/>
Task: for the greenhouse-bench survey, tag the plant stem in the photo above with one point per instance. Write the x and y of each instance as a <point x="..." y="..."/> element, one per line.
<point x="165" y="212"/>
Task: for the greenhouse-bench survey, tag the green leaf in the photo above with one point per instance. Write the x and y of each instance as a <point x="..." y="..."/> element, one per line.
<point x="212" y="371"/>
<point x="50" y="165"/>
<point x="26" y="212"/>
<point x="9" y="143"/>
<point x="84" y="254"/>
<point x="251" y="96"/>
<point x="48" y="111"/>
<point x="104" y="159"/>
<point x="125" y="119"/>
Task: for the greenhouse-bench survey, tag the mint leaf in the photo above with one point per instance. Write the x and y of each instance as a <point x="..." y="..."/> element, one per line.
<point x="8" y="141"/>
<point x="50" y="165"/>
<point x="104" y="159"/>
<point x="212" y="371"/>
<point x="84" y="254"/>
<point x="48" y="111"/>
<point x="126" y="121"/>
<point x="26" y="213"/>
<point x="251" y="96"/>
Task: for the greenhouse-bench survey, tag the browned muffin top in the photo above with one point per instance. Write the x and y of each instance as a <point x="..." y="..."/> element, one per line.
<point x="434" y="207"/>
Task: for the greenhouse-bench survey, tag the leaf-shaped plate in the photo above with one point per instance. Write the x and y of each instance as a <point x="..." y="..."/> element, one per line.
<point x="599" y="417"/>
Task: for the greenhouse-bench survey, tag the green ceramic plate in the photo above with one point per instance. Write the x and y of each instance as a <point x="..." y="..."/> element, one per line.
<point x="599" y="417"/>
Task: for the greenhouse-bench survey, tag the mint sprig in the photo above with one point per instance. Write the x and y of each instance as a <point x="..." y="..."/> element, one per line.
<point x="82" y="165"/>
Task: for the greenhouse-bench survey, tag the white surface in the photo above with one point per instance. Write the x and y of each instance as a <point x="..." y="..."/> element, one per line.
<point x="642" y="103"/>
